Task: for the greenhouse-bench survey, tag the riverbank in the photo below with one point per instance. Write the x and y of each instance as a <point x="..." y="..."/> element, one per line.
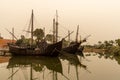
<point x="4" y="59"/>
<point x="93" y="50"/>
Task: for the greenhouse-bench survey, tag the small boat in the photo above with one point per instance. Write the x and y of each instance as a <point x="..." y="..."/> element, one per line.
<point x="73" y="47"/>
<point x="48" y="50"/>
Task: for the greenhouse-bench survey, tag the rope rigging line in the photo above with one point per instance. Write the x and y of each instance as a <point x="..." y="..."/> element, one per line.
<point x="37" y="22"/>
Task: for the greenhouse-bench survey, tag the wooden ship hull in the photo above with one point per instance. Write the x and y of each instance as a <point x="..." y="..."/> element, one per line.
<point x="50" y="50"/>
<point x="80" y="49"/>
<point x="72" y="49"/>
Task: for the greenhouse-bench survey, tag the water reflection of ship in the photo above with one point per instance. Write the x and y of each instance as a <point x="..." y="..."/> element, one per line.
<point x="73" y="60"/>
<point x="38" y="64"/>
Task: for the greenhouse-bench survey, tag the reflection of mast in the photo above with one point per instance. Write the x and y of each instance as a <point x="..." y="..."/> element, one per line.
<point x="55" y="75"/>
<point x="77" y="72"/>
<point x="12" y="73"/>
<point x="43" y="75"/>
<point x="31" y="71"/>
<point x="68" y="68"/>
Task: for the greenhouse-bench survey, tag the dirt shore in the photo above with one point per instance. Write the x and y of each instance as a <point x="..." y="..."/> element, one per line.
<point x="93" y="50"/>
<point x="4" y="59"/>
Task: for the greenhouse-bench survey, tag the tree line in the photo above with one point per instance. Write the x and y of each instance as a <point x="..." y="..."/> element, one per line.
<point x="111" y="48"/>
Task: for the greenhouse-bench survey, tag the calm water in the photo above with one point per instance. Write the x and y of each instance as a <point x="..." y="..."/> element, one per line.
<point x="67" y="67"/>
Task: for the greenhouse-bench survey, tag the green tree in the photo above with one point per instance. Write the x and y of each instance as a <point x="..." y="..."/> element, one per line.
<point x="106" y="43"/>
<point x="117" y="42"/>
<point x="49" y="37"/>
<point x="22" y="37"/>
<point x="99" y="42"/>
<point x="21" y="40"/>
<point x="65" y="43"/>
<point x="100" y="45"/>
<point x="39" y="34"/>
<point x="111" y="42"/>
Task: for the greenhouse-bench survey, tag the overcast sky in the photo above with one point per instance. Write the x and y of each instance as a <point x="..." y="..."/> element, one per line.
<point x="100" y="18"/>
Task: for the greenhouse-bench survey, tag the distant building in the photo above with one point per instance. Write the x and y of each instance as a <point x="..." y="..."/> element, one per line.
<point x="4" y="42"/>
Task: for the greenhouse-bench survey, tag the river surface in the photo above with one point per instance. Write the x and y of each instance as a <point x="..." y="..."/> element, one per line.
<point x="92" y="66"/>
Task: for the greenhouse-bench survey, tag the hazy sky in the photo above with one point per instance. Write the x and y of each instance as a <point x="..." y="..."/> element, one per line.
<point x="100" y="18"/>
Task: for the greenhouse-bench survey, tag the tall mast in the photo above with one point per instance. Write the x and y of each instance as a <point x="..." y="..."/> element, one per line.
<point x="77" y="33"/>
<point x="56" y="26"/>
<point x="54" y="30"/>
<point x="80" y="38"/>
<point x="13" y="35"/>
<point x="44" y="32"/>
<point x="68" y="36"/>
<point x="32" y="24"/>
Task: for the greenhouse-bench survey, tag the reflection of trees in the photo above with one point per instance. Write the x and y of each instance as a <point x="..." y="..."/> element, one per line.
<point x="112" y="50"/>
<point x="117" y="58"/>
<point x="105" y="55"/>
<point x="113" y="54"/>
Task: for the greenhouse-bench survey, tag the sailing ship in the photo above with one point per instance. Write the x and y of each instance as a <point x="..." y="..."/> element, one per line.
<point x="76" y="47"/>
<point x="48" y="50"/>
<point x="73" y="47"/>
<point x="81" y="48"/>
